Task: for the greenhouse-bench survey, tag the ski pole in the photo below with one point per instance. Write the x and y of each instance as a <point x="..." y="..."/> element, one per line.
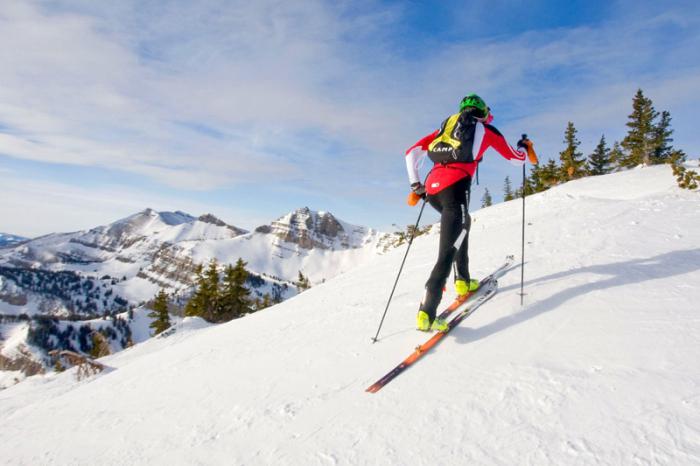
<point x="525" y="143"/>
<point x="410" y="241"/>
<point x="522" y="253"/>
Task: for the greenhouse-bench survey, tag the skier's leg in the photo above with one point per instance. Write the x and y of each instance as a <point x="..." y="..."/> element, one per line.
<point x="450" y="231"/>
<point x="462" y="256"/>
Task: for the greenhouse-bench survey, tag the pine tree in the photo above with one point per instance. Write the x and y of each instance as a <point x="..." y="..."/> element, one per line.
<point x="616" y="156"/>
<point x="528" y="188"/>
<point x="159" y="314"/>
<point x="203" y="302"/>
<point x="486" y="200"/>
<point x="100" y="345"/>
<point x="508" y="190"/>
<point x="536" y="181"/>
<point x="234" y="300"/>
<point x="211" y="276"/>
<point x="549" y="174"/>
<point x="640" y="140"/>
<point x="662" y="140"/>
<point x="302" y="282"/>
<point x="599" y="161"/>
<point x="195" y="305"/>
<point x="572" y="161"/>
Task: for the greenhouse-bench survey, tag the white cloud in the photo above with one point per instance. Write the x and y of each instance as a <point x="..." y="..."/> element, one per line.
<point x="264" y="75"/>
<point x="220" y="93"/>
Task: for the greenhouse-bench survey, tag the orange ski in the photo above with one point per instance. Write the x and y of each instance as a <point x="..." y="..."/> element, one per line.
<point x="486" y="291"/>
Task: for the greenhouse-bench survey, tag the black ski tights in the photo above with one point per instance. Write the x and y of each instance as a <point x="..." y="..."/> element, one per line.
<point x="453" y="205"/>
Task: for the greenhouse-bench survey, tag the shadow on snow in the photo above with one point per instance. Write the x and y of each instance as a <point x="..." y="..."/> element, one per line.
<point x="613" y="275"/>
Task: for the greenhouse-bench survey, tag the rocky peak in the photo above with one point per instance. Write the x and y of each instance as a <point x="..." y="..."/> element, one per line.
<point x="213" y="220"/>
<point x="310" y="229"/>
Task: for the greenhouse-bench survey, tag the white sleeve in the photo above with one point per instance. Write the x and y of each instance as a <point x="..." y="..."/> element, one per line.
<point x="414" y="157"/>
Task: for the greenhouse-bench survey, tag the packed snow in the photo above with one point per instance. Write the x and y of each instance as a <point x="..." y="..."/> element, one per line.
<point x="600" y="365"/>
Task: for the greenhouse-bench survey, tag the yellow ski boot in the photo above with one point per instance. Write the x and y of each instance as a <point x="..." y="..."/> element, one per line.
<point x="439" y="325"/>
<point x="423" y="323"/>
<point x="462" y="287"/>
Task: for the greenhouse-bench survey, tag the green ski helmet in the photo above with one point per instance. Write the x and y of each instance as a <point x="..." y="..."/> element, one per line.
<point x="473" y="100"/>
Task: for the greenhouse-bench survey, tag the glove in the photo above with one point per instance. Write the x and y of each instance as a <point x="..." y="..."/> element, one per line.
<point x="418" y="188"/>
<point x="417" y="193"/>
<point x="522" y="143"/>
<point x="526" y="144"/>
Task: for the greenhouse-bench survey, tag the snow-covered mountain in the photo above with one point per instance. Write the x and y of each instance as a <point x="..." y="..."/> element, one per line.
<point x="148" y="250"/>
<point x="315" y="243"/>
<point x="600" y="366"/>
<point x="7" y="240"/>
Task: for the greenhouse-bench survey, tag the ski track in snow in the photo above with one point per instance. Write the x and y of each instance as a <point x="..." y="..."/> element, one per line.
<point x="600" y="366"/>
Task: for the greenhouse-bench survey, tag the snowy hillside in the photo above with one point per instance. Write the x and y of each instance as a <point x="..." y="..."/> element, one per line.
<point x="600" y="366"/>
<point x="141" y="251"/>
<point x="7" y="240"/>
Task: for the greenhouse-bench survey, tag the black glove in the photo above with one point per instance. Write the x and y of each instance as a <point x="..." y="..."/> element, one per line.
<point x="419" y="189"/>
<point x="522" y="144"/>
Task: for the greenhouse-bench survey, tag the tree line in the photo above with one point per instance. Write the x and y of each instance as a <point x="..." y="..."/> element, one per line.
<point x="81" y="296"/>
<point x="648" y="141"/>
<point x="219" y="296"/>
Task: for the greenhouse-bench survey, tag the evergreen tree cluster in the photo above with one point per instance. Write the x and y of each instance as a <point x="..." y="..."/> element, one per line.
<point x="50" y="333"/>
<point x="275" y="296"/>
<point x="648" y="141"/>
<point x="402" y="237"/>
<point x="220" y="299"/>
<point x="82" y="296"/>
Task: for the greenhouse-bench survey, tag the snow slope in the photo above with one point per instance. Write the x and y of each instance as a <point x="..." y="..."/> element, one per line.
<point x="600" y="366"/>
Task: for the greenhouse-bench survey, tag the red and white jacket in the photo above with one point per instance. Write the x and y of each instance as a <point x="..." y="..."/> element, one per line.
<point x="442" y="176"/>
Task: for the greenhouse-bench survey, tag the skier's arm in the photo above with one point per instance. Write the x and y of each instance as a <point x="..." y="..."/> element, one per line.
<point x="494" y="139"/>
<point x="415" y="154"/>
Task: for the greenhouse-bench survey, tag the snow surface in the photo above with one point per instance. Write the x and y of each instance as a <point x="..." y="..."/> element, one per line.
<point x="10" y="378"/>
<point x="15" y="335"/>
<point x="600" y="366"/>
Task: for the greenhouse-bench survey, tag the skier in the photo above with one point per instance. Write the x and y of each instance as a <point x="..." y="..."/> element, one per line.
<point x="455" y="149"/>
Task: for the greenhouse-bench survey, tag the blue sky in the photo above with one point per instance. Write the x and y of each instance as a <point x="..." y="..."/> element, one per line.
<point x="249" y="110"/>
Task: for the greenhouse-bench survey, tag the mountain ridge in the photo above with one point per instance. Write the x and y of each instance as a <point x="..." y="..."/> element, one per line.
<point x="149" y="250"/>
